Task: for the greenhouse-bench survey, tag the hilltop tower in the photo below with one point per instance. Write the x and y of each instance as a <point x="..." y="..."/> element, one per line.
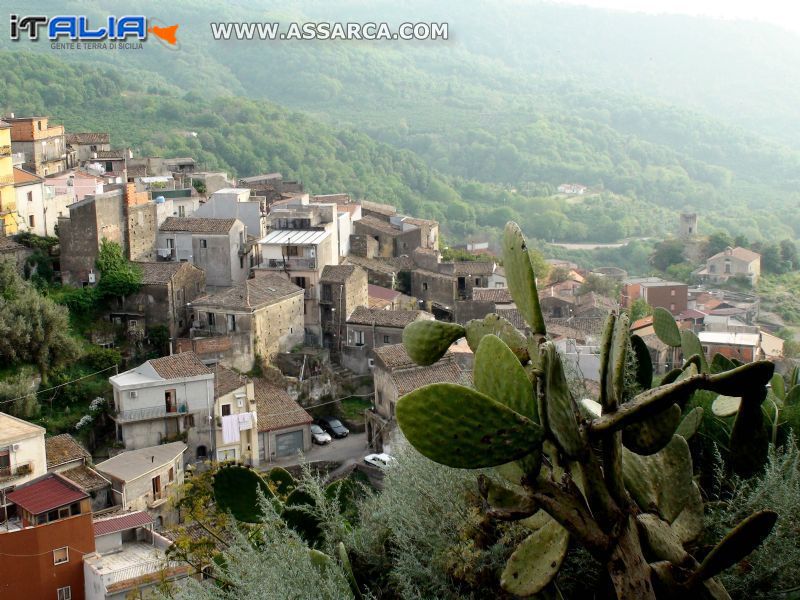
<point x="688" y="225"/>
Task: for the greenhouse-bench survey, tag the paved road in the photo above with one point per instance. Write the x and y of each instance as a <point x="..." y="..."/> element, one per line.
<point x="351" y="449"/>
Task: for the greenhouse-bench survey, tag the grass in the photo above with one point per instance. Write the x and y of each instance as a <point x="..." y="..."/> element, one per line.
<point x="353" y="408"/>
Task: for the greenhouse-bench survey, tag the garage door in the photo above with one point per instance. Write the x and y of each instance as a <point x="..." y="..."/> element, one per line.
<point x="288" y="444"/>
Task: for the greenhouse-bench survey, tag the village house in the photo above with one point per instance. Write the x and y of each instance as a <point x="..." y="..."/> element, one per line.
<point x="235" y="396"/>
<point x="43" y="145"/>
<point x="237" y="203"/>
<point x="129" y="559"/>
<point x="85" y="145"/>
<point x="8" y="198"/>
<point x="284" y="427"/>
<point x="15" y="252"/>
<point x="22" y="457"/>
<point x="396" y="234"/>
<point x="218" y="246"/>
<point x="396" y="375"/>
<point x="384" y="273"/>
<point x="111" y="163"/>
<point x="343" y="289"/>
<point x="572" y="189"/>
<point x="146" y="479"/>
<point x="669" y="295"/>
<point x="732" y="262"/>
<point x="29" y="189"/>
<point x="162" y="300"/>
<point x="74" y="185"/>
<point x="71" y="460"/>
<point x="254" y="319"/>
<point x="45" y="541"/>
<point x="388" y="299"/>
<point x="120" y="215"/>
<point x="347" y="213"/>
<point x="272" y="186"/>
<point x="163" y="400"/>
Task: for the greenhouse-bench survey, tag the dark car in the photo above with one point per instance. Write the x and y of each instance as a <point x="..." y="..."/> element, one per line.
<point x="333" y="426"/>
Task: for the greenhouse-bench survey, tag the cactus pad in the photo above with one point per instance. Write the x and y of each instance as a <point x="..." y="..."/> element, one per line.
<point x="690" y="423"/>
<point x="460" y="427"/>
<point x="725" y="406"/>
<point x="427" y="341"/>
<point x="502" y="328"/>
<point x="660" y="539"/>
<point x="778" y="386"/>
<point x="688" y="525"/>
<point x="536" y="560"/>
<point x="665" y="327"/>
<point x="721" y="363"/>
<point x="644" y="363"/>
<point x="499" y="375"/>
<point x="749" y="443"/>
<point x="652" y="434"/>
<point x="743" y="379"/>
<point x="690" y="346"/>
<point x="521" y="278"/>
<point x="560" y="408"/>
<point x="662" y="482"/>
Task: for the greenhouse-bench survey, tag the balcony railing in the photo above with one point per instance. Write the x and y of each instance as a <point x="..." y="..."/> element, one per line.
<point x="5" y="151"/>
<point x="152" y="412"/>
<point x="145" y="570"/>
<point x="6" y="179"/>
<point x="289" y="263"/>
<point x="15" y="471"/>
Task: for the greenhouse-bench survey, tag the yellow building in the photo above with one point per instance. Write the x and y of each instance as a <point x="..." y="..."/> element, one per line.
<point x="8" y="199"/>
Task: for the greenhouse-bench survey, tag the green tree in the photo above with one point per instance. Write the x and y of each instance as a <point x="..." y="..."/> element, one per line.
<point x="640" y="309"/>
<point x="789" y="255"/>
<point x="771" y="260"/>
<point x="118" y="276"/>
<point x="668" y="252"/>
<point x="717" y="242"/>
<point x="599" y="284"/>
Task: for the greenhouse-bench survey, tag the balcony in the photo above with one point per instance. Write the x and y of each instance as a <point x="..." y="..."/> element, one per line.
<point x="5" y="151"/>
<point x="155" y="500"/>
<point x="6" y="179"/>
<point x="15" y="471"/>
<point x="146" y="414"/>
<point x="284" y="264"/>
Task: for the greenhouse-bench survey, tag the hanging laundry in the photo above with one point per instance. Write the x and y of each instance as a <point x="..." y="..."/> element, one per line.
<point x="245" y="421"/>
<point x="230" y="429"/>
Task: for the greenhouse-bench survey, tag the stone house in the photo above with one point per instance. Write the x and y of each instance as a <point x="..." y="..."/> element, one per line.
<point x="167" y="289"/>
<point x="71" y="460"/>
<point x="22" y="456"/>
<point x="256" y="318"/>
<point x="234" y="395"/>
<point x="396" y="234"/>
<point x="342" y="289"/>
<point x="85" y="145"/>
<point x="147" y="479"/>
<point x="370" y="328"/>
<point x="379" y="272"/>
<point x="163" y="400"/>
<point x="284" y="427"/>
<point x="43" y="145"/>
<point x="29" y="189"/>
<point x="396" y="375"/>
<point x="732" y="262"/>
<point x="218" y="246"/>
<point x="11" y="250"/>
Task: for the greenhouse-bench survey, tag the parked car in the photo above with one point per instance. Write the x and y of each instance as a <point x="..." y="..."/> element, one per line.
<point x="318" y="436"/>
<point x="333" y="426"/>
<point x="381" y="460"/>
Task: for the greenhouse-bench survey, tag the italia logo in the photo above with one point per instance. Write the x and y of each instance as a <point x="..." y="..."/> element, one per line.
<point x="78" y="28"/>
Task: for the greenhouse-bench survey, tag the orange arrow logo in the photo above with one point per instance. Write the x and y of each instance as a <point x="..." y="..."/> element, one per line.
<point x="165" y="33"/>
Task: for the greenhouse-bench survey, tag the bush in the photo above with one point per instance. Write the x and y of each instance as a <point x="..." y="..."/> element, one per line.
<point x="770" y="571"/>
<point x="98" y="359"/>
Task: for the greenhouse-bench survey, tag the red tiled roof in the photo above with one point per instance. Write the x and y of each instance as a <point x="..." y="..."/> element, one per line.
<point x="643" y="322"/>
<point x="46" y="493"/>
<point x="22" y="177"/>
<point x="276" y="409"/>
<point x="121" y="522"/>
<point x="181" y="365"/>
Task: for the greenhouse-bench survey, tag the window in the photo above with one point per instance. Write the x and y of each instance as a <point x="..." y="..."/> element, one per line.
<point x="727" y="267"/>
<point x="39" y="126"/>
<point x="31" y="221"/>
<point x="672" y="308"/>
<point x="170" y="403"/>
<point x="241" y="262"/>
<point x="424" y="285"/>
<point x="204" y="243"/>
<point x="61" y="555"/>
<point x="171" y="474"/>
<point x="181" y="211"/>
<point x="109" y="166"/>
<point x="133" y="394"/>
<point x="672" y="292"/>
<point x="30" y="196"/>
<point x="359" y="338"/>
<point x="211" y="319"/>
<point x="64" y="593"/>
<point x="226" y="410"/>
<point x="386" y="339"/>
<point x="231" y="322"/>
<point x="477" y="281"/>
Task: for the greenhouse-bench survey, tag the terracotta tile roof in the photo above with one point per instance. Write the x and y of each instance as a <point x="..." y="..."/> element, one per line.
<point x="23" y="177"/>
<point x="276" y="410"/>
<point x="337" y="273"/>
<point x="86" y="478"/>
<point x="137" y="171"/>
<point x="226" y="381"/>
<point x="514" y="316"/>
<point x="46" y="493"/>
<point x="197" y="225"/>
<point x="88" y="138"/>
<point x="393" y="356"/>
<point x="420" y="222"/>
<point x="408" y="380"/>
<point x="62" y="449"/>
<point x="383" y="209"/>
<point x="640" y="323"/>
<point x="111" y="154"/>
<point x="162" y="272"/>
<point x="129" y="520"/>
<point x="263" y="290"/>
<point x="497" y="295"/>
<point x="738" y="252"/>
<point x="386" y="318"/>
<point x="402" y="263"/>
<point x="556" y="331"/>
<point x="384" y="293"/>
<point x="178" y="366"/>
<point x="373" y="264"/>
<point x="369" y="222"/>
<point x="473" y="267"/>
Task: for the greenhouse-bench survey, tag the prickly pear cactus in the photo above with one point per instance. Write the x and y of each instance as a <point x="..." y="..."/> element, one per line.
<point x="633" y="506"/>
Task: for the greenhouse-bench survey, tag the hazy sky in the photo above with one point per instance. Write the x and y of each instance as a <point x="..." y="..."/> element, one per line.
<point x="784" y="13"/>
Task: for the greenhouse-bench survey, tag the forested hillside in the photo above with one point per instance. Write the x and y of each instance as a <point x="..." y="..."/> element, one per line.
<point x="492" y="133"/>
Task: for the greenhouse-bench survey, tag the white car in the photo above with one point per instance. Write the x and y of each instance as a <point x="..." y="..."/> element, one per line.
<point x="318" y="436"/>
<point x="381" y="460"/>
